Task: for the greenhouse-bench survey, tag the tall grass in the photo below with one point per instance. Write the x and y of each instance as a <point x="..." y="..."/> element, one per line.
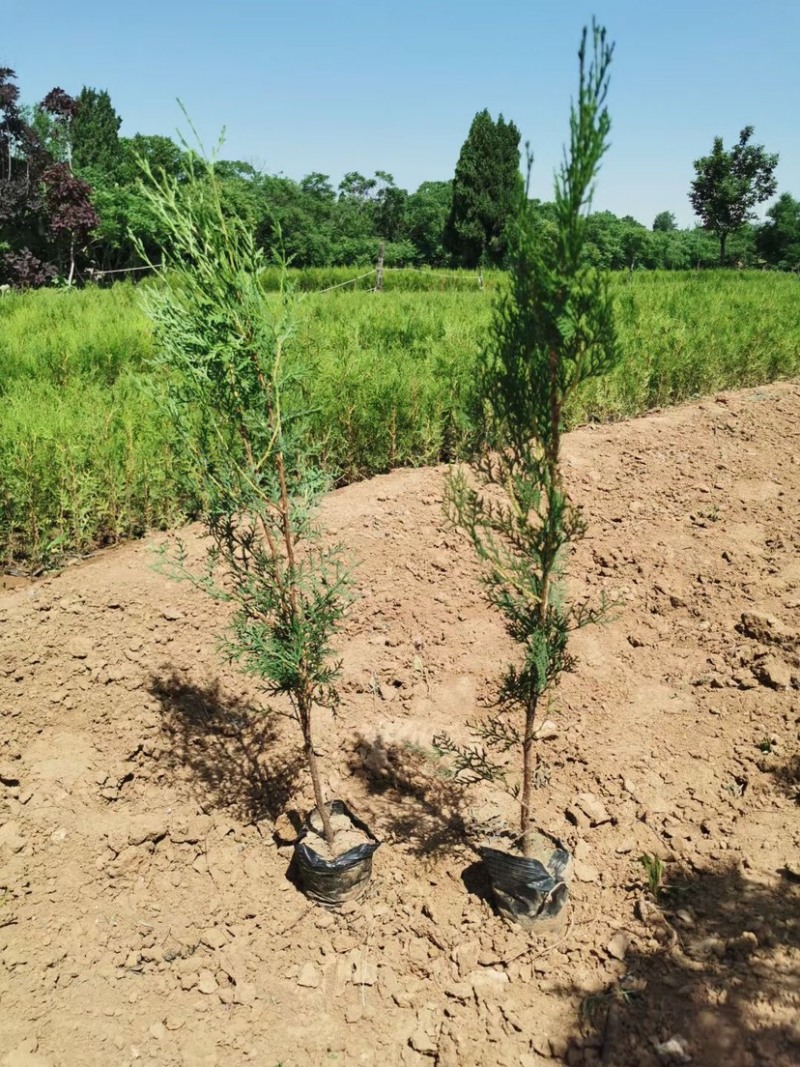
<point x="61" y="335"/>
<point x="390" y="377"/>
<point x="86" y="460"/>
<point x="81" y="465"/>
<point x="685" y="334"/>
<point x="395" y="279"/>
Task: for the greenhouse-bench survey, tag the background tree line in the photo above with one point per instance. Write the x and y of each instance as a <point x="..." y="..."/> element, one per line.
<point x="71" y="206"/>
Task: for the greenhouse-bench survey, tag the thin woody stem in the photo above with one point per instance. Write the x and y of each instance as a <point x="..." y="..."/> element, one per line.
<point x="306" y="712"/>
<point x="552" y="450"/>
<point x="306" y="699"/>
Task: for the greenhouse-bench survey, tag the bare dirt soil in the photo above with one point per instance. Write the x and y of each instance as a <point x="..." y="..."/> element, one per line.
<point x="146" y="916"/>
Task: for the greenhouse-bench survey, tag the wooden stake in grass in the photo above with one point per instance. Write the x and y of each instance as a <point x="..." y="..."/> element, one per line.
<point x="221" y="342"/>
<point x="552" y="330"/>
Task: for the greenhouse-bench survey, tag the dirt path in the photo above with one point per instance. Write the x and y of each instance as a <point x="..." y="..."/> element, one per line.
<point x="145" y="913"/>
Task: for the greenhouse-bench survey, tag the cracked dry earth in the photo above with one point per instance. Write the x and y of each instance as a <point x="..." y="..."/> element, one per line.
<point x="146" y="916"/>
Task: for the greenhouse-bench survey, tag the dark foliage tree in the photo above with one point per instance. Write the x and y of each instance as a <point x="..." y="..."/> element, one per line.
<point x="71" y="217"/>
<point x="26" y="271"/>
<point x="729" y="184"/>
<point x="23" y="158"/>
<point x="67" y="199"/>
<point x="485" y="191"/>
<point x="60" y="104"/>
<point x="61" y="108"/>
<point x="45" y="211"/>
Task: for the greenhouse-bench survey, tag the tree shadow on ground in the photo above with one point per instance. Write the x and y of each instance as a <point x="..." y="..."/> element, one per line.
<point x="786" y="773"/>
<point x="719" y="981"/>
<point x="423" y="806"/>
<point x="232" y="754"/>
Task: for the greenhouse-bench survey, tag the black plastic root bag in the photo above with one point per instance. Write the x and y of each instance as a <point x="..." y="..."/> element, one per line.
<point x="530" y="892"/>
<point x="334" y="882"/>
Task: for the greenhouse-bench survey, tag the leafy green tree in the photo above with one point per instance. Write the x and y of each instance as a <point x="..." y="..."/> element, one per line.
<point x="160" y="153"/>
<point x="486" y="188"/>
<point x="603" y="246"/>
<point x="126" y="219"/>
<point x="729" y="184"/>
<point x="664" y="222"/>
<point x="240" y="191"/>
<point x="634" y="242"/>
<point x="427" y="211"/>
<point x="669" y="250"/>
<point x="297" y="218"/>
<point x="390" y="208"/>
<point x="94" y="136"/>
<point x="778" y="240"/>
<point x="319" y="187"/>
<point x="48" y="129"/>
<point x="701" y="248"/>
<point x="553" y="329"/>
<point x="353" y="217"/>
<point x="354" y="186"/>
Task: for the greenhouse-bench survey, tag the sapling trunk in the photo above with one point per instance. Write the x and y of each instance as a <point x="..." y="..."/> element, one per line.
<point x="528" y="743"/>
<point x="304" y="696"/>
<point x="313" y="767"/>
<point x="548" y="558"/>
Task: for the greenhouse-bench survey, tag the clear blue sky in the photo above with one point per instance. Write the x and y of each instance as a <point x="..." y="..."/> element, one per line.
<point x="339" y="85"/>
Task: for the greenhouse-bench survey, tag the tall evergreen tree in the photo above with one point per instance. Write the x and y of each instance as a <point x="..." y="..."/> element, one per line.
<point x="485" y="190"/>
<point x="95" y="134"/>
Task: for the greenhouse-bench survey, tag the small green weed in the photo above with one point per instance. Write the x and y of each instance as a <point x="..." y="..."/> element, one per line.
<point x="654" y="871"/>
<point x="595" y="1007"/>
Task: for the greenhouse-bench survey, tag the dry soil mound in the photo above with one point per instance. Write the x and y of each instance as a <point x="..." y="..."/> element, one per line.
<point x="145" y="912"/>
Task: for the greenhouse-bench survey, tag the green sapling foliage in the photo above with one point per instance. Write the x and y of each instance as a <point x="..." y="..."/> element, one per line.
<point x="552" y="330"/>
<point x="222" y="344"/>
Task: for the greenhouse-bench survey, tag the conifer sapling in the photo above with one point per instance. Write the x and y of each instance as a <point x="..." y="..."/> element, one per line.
<point x="222" y="342"/>
<point x="552" y="330"/>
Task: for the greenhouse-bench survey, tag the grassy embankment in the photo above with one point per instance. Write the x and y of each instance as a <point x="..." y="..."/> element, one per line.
<point x="86" y="456"/>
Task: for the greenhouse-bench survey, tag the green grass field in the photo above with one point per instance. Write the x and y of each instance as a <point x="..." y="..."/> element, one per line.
<point x="86" y="456"/>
